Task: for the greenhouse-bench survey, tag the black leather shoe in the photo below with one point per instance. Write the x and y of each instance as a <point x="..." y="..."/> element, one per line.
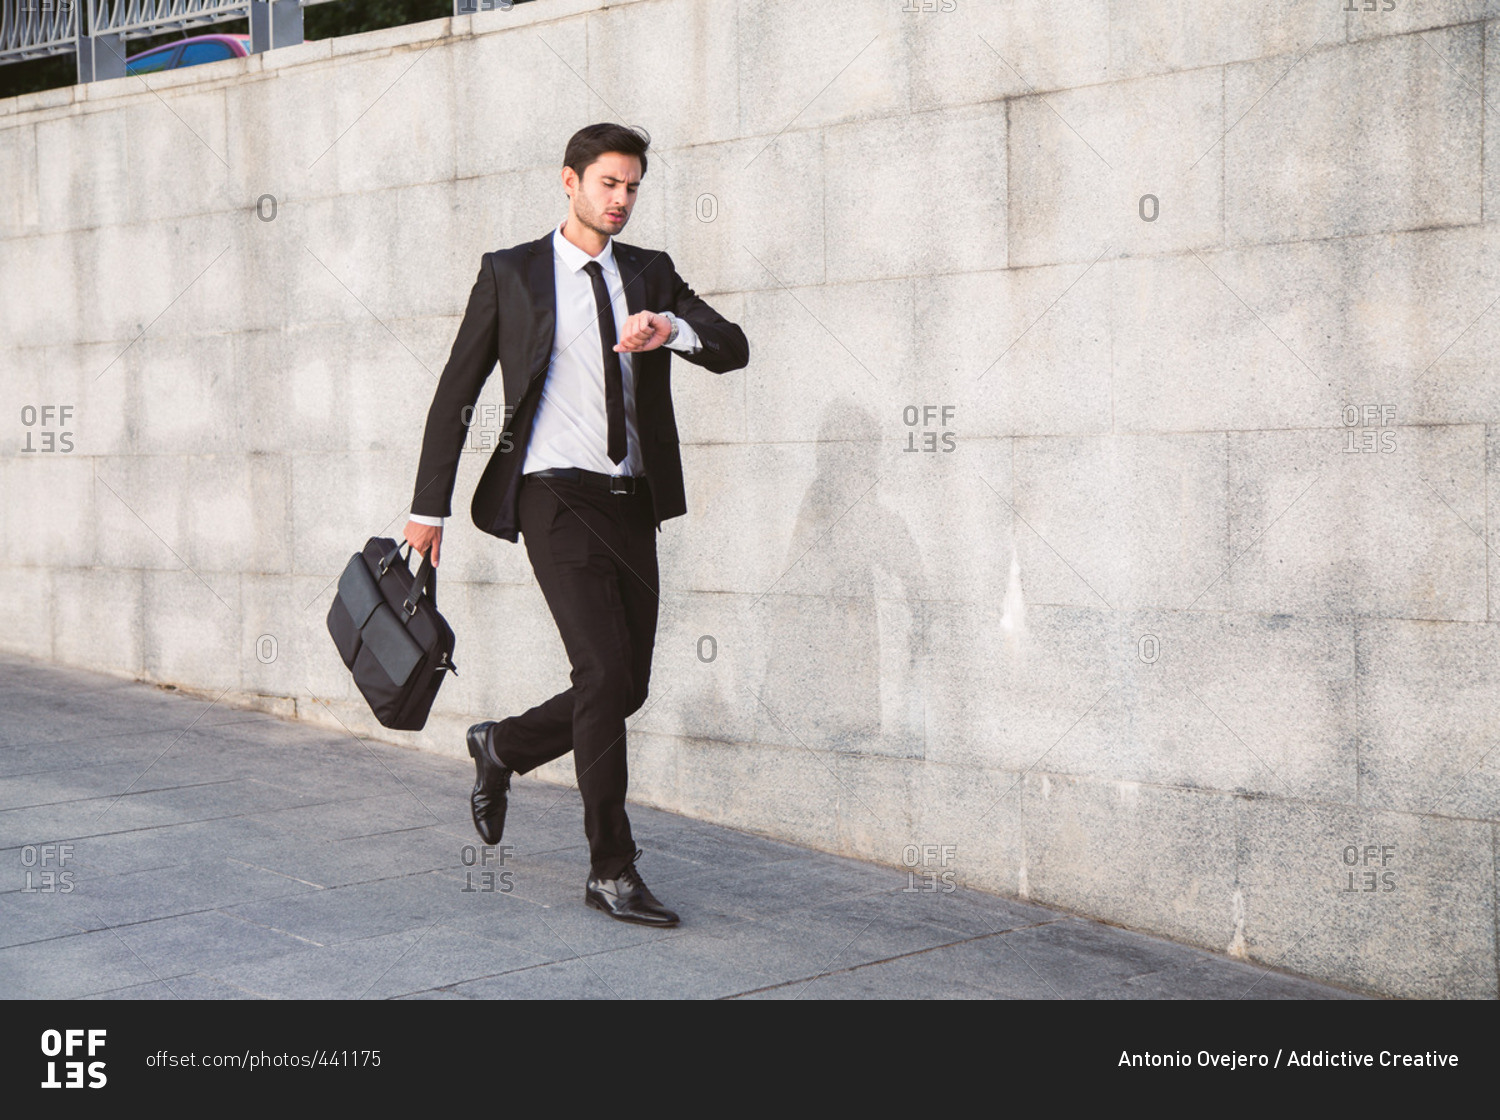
<point x="491" y="783"/>
<point x="627" y="899"/>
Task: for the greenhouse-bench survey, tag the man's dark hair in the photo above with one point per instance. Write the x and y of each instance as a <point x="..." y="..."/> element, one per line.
<point x="592" y="141"/>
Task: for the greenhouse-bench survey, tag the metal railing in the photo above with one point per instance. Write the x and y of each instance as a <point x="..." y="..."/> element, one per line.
<point x="96" y="30"/>
<point x="473" y="7"/>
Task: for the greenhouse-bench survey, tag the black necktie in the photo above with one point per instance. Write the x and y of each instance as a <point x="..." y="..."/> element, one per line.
<point x="614" y="380"/>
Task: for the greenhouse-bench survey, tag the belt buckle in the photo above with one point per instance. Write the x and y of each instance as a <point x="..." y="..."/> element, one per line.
<point x="617" y="484"/>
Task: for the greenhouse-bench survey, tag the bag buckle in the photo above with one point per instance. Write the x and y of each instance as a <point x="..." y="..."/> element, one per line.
<point x="385" y="561"/>
<point x="410" y="608"/>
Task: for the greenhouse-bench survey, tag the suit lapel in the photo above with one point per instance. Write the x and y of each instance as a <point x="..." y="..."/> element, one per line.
<point x="649" y="385"/>
<point x="542" y="286"/>
<point x="631" y="263"/>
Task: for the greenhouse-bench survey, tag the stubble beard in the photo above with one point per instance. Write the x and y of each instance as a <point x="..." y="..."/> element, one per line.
<point x="592" y="219"/>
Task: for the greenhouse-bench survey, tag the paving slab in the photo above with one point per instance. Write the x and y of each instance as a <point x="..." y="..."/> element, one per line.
<point x="156" y="846"/>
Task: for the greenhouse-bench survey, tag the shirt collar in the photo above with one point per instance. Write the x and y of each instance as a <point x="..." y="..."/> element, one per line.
<point x="575" y="258"/>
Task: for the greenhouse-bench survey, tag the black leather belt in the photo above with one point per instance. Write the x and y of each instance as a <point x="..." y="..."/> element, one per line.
<point x="614" y="483"/>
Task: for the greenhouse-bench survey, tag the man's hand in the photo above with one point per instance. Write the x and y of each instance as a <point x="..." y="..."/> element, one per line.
<point x="423" y="537"/>
<point x="645" y="330"/>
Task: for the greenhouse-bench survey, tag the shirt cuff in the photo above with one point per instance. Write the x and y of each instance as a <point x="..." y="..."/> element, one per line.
<point x="687" y="338"/>
<point x="423" y="519"/>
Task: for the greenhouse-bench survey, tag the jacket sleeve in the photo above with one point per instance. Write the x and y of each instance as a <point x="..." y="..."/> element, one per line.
<point x="724" y="345"/>
<point x="470" y="363"/>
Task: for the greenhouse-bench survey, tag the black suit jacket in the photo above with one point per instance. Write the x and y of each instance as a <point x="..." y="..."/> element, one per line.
<point x="512" y="317"/>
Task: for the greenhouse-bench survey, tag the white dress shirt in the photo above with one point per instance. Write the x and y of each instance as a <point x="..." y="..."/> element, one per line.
<point x="571" y="427"/>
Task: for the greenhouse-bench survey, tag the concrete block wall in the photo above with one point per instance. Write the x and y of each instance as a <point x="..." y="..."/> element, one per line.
<point x="1185" y="615"/>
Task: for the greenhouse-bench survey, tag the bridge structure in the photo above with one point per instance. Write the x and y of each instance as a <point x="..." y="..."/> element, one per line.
<point x="96" y="31"/>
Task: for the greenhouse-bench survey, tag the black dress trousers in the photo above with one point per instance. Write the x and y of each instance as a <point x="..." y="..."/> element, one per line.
<point x="594" y="555"/>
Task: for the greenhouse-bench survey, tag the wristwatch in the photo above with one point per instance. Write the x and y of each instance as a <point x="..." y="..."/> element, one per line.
<point x="671" y="338"/>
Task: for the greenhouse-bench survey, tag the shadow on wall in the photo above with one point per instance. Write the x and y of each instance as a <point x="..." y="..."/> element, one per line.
<point x="845" y="627"/>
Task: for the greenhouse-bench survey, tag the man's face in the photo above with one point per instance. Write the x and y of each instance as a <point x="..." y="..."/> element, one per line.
<point x="603" y="200"/>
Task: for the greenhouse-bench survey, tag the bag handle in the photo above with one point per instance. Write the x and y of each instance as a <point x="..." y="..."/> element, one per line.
<point x="390" y="558"/>
<point x="424" y="580"/>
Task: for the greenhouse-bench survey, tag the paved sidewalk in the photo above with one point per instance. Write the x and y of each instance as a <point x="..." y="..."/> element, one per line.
<point x="216" y="853"/>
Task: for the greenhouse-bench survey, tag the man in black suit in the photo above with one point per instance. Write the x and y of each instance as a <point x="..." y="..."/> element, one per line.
<point x="586" y="470"/>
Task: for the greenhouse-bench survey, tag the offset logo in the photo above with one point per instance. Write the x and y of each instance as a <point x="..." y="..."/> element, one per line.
<point x="67" y="1044"/>
<point x="490" y="882"/>
<point x="935" y="878"/>
<point x="923" y="420"/>
<point x="44" y="863"/>
<point x="43" y="423"/>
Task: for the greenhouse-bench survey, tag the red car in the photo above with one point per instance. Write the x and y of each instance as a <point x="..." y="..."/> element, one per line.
<point x="188" y="52"/>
